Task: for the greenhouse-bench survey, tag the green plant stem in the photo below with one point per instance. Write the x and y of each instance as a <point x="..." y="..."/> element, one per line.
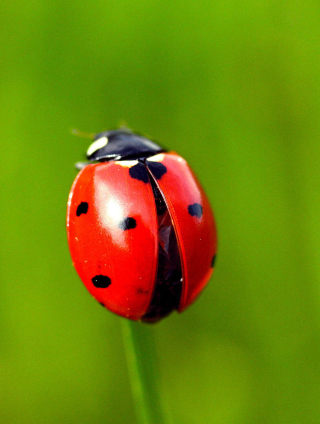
<point x="144" y="373"/>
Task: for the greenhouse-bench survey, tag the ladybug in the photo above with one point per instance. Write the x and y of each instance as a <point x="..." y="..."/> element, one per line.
<point x="141" y="231"/>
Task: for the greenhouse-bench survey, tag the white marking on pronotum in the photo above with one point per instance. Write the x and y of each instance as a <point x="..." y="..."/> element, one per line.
<point x="126" y="163"/>
<point x="157" y="158"/>
<point x="96" y="145"/>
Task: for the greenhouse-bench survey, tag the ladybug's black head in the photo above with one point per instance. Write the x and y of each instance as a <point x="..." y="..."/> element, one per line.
<point x="121" y="144"/>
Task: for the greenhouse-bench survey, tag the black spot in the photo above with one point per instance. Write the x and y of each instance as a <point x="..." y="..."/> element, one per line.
<point x="102" y="304"/>
<point x="195" y="210"/>
<point x="127" y="223"/>
<point x="101" y="281"/>
<point x="213" y="261"/>
<point x="82" y="208"/>
<point x="139" y="172"/>
<point x="157" y="169"/>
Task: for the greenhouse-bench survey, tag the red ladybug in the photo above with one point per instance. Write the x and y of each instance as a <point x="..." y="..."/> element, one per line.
<point x="141" y="231"/>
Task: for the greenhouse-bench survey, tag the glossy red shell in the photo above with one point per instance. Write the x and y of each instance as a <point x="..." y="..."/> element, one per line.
<point x="100" y="246"/>
<point x="197" y="235"/>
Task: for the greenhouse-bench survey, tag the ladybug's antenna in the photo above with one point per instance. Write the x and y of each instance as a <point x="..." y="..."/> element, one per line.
<point x="82" y="134"/>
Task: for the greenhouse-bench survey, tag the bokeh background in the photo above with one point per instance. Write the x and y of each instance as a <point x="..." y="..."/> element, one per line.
<point x="234" y="88"/>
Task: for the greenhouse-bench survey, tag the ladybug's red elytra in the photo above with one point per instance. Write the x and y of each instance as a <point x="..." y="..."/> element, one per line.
<point x="141" y="231"/>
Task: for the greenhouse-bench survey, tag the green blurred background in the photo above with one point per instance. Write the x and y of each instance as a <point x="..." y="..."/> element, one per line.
<point x="234" y="88"/>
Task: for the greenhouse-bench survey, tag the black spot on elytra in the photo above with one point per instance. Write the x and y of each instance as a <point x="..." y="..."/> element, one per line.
<point x="102" y="304"/>
<point x="157" y="169"/>
<point x="101" y="281"/>
<point x="213" y="261"/>
<point x="82" y="208"/>
<point x="195" y="210"/>
<point x="139" y="172"/>
<point x="127" y="223"/>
